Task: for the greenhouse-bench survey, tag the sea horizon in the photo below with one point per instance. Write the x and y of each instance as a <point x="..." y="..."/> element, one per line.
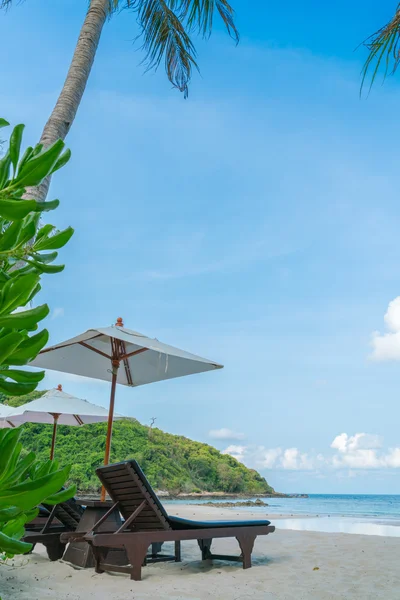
<point x="366" y="514"/>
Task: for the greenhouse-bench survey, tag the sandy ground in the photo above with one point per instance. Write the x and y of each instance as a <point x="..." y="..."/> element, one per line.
<point x="286" y="565"/>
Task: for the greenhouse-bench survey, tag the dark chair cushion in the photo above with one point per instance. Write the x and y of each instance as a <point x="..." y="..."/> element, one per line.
<point x="178" y="523"/>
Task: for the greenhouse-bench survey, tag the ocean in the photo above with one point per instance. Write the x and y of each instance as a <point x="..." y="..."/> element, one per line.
<point x="333" y="513"/>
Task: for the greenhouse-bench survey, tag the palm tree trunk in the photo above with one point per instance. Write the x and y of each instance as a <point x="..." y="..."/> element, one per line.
<point x="64" y="112"/>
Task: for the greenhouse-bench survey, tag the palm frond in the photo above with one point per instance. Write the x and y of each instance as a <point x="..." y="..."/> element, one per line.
<point x="164" y="35"/>
<point x="383" y="45"/>
<point x="165" y="27"/>
<point x="200" y="13"/>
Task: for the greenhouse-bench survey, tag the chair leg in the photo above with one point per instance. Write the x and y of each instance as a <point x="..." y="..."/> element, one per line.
<point x="136" y="555"/>
<point x="156" y="548"/>
<point x="205" y="546"/>
<point x="55" y="549"/>
<point x="246" y="543"/>
<point x="100" y="556"/>
<point x="178" y="551"/>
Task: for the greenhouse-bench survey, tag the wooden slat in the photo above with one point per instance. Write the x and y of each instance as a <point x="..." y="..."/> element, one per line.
<point x="112" y="468"/>
<point x="123" y="478"/>
<point x="124" y="485"/>
<point x="126" y="494"/>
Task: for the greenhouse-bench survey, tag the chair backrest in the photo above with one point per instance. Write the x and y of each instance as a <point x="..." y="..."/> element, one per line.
<point x="68" y="513"/>
<point x="126" y="484"/>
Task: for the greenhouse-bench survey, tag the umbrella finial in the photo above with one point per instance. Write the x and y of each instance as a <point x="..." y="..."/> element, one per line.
<point x="59" y="387"/>
<point x="120" y="322"/>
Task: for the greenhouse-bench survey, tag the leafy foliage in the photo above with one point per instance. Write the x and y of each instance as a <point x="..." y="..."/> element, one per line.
<point x="383" y="47"/>
<point x="24" y="257"/>
<point x="25" y="482"/>
<point x="171" y="462"/>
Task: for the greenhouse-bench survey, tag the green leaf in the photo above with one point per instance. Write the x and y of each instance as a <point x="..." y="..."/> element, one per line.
<point x="10" y="512"/>
<point x="12" y="546"/>
<point x="37" y="149"/>
<point x="44" y="231"/>
<point x="23" y="376"/>
<point x="25" y="319"/>
<point x="47" y="206"/>
<point x="45" y="258"/>
<point x="8" y="449"/>
<point x="5" y="164"/>
<point x="44" y="268"/>
<point x="25" y="157"/>
<point x="17" y="292"/>
<point x="10" y="237"/>
<point x="27" y="233"/>
<point x="30" y="493"/>
<point x="28" y="349"/>
<point x="4" y="123"/>
<point x="20" y="471"/>
<point x="55" y="241"/>
<point x="38" y="167"/>
<point x="16" y="210"/>
<point x="64" y="158"/>
<point x="62" y="496"/>
<point x="16" y="389"/>
<point x="15" y="145"/>
<point x="8" y="344"/>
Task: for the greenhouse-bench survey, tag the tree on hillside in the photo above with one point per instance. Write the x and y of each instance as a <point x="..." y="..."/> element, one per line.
<point x="383" y="47"/>
<point x="165" y="28"/>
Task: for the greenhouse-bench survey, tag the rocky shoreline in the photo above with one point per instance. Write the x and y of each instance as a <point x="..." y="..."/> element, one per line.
<point x="224" y="495"/>
<point x="251" y="503"/>
<point x="207" y="496"/>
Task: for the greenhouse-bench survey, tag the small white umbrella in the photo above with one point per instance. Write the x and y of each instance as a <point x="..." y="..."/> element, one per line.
<point x="120" y="355"/>
<point x="56" y="407"/>
<point x="4" y="412"/>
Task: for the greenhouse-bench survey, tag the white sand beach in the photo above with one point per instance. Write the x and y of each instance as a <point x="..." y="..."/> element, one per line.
<point x="286" y="565"/>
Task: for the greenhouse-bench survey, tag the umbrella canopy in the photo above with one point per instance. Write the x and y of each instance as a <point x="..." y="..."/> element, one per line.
<point x="71" y="410"/>
<point x="120" y="355"/>
<point x="144" y="360"/>
<point x="56" y="407"/>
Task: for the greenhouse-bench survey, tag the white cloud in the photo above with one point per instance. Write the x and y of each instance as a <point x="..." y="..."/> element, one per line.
<point x="57" y="312"/>
<point x="386" y="346"/>
<point x="354" y="453"/>
<point x="225" y="434"/>
<point x="238" y="452"/>
<point x="363" y="451"/>
<point x="260" y="457"/>
<point x="359" y="441"/>
<point x="267" y="458"/>
<point x="294" y="460"/>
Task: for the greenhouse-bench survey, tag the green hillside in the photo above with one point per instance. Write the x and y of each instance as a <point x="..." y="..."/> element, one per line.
<point x="171" y="462"/>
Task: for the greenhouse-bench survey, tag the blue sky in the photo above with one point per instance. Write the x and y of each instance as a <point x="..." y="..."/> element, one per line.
<point x="255" y="223"/>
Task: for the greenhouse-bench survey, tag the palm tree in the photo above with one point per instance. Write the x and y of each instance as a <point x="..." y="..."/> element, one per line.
<point x="383" y="47"/>
<point x="165" y="27"/>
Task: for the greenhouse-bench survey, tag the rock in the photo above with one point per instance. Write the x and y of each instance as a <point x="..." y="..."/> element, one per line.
<point x="253" y="503"/>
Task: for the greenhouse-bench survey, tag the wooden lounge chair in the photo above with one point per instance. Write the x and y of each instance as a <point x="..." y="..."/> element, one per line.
<point x="146" y="522"/>
<point x="51" y="522"/>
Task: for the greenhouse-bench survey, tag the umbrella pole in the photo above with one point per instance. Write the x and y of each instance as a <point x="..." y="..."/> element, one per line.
<point x="110" y="421"/>
<point x="53" y="440"/>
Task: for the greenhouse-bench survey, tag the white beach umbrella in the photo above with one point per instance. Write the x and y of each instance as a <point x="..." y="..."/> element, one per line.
<point x="56" y="407"/>
<point x="4" y="412"/>
<point x="119" y="355"/>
